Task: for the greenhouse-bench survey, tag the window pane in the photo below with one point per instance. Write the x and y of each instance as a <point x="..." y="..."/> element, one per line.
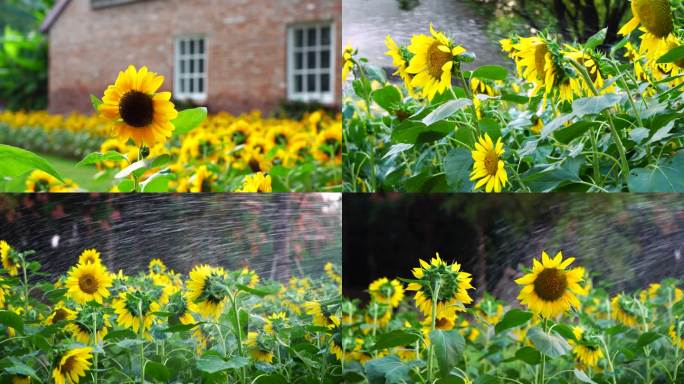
<point x="299" y="60"/>
<point x="311" y="59"/>
<point x="201" y="46"/>
<point x="311" y="37"/>
<point x="325" y="36"/>
<point x="182" y="47"/>
<point x="299" y="38"/>
<point x="201" y="66"/>
<point x="311" y="83"/>
<point x="182" y="66"/>
<point x="325" y="82"/>
<point x="183" y="85"/>
<point x="298" y="84"/>
<point x="325" y="59"/>
<point x="192" y="85"/>
<point x="192" y="47"/>
<point x="192" y="66"/>
<point x="200" y="85"/>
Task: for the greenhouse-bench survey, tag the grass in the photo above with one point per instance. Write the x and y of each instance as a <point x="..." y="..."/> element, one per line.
<point x="83" y="176"/>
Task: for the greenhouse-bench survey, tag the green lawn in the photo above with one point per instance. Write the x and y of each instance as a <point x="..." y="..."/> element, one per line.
<point x="83" y="176"/>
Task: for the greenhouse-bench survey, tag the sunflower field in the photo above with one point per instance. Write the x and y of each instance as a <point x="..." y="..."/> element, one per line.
<point x="91" y="325"/>
<point x="581" y="116"/>
<point x="139" y="142"/>
<point x="429" y="329"/>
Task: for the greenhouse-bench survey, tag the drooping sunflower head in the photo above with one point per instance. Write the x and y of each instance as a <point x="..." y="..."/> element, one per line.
<point x="89" y="256"/>
<point x="401" y="57"/>
<point x="537" y="60"/>
<point x="432" y="63"/>
<point x="257" y="348"/>
<point x="623" y="310"/>
<point x="676" y="337"/>
<point x="89" y="319"/>
<point x="654" y="15"/>
<point x="275" y="322"/>
<point x="258" y="182"/>
<point x="135" y="309"/>
<point x="60" y="313"/>
<point x="156" y="267"/>
<point x="318" y="312"/>
<point x="72" y="365"/>
<point x="550" y="290"/>
<point x="10" y="261"/>
<point x="88" y="282"/>
<point x="386" y="292"/>
<point x="246" y="277"/>
<point x="442" y="284"/>
<point x="137" y="110"/>
<point x="488" y="167"/>
<point x="206" y="292"/>
<point x="586" y="348"/>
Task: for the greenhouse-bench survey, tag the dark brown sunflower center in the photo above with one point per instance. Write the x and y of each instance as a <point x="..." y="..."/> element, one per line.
<point x="550" y="284"/>
<point x="88" y="284"/>
<point x="491" y="162"/>
<point x="254" y="165"/>
<point x="442" y="323"/>
<point x="68" y="365"/>
<point x="136" y="109"/>
<point x="655" y="16"/>
<point x="436" y="60"/>
<point x="60" y="315"/>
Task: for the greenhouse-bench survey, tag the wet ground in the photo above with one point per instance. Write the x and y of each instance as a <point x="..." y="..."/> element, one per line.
<point x="366" y="23"/>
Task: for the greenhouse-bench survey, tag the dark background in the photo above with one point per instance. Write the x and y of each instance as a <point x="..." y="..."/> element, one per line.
<point x="626" y="241"/>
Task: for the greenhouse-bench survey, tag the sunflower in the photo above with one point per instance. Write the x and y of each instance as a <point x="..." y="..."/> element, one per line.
<point x="348" y="61"/>
<point x="257" y="350"/>
<point x="247" y="277"/>
<point x="60" y="313"/>
<point x="156" y="267"/>
<point x="377" y="315"/>
<point x="9" y="262"/>
<point x="677" y="339"/>
<point x="89" y="256"/>
<point x="205" y="291"/>
<point x="586" y="349"/>
<point x="134" y="309"/>
<point x="314" y="309"/>
<point x="331" y="270"/>
<point x="488" y="168"/>
<point x="257" y="182"/>
<point x="72" y="365"/>
<point x="467" y="331"/>
<point x="41" y="181"/>
<point x="88" y="282"/>
<point x="549" y="289"/>
<point x="537" y="125"/>
<point x="3" y="294"/>
<point x="120" y="147"/>
<point x="21" y="379"/>
<point x="328" y="145"/>
<point x="202" y="180"/>
<point x="432" y="63"/>
<point x="81" y="328"/>
<point x="620" y="311"/>
<point x="655" y="16"/>
<point x="534" y="59"/>
<point x="401" y="58"/>
<point x="275" y="322"/>
<point x="590" y="61"/>
<point x="442" y="284"/>
<point x="137" y="110"/>
<point x="387" y="292"/>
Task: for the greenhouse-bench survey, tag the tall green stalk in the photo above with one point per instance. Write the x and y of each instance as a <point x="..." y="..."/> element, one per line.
<point x="430" y="363"/>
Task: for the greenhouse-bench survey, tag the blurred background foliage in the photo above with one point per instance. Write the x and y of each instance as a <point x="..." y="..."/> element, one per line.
<point x="625" y="241"/>
<point x="23" y="54"/>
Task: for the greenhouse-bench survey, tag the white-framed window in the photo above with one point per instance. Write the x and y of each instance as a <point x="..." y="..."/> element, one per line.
<point x="311" y="62"/>
<point x="190" y="68"/>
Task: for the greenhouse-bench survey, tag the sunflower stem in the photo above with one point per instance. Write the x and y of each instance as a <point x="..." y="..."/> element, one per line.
<point x="466" y="88"/>
<point x="141" y="334"/>
<point x="542" y="366"/>
<point x="238" y="331"/>
<point x="435" y="297"/>
<point x="94" y="337"/>
<point x="25" y="281"/>
<point x="613" y="131"/>
<point x="609" y="359"/>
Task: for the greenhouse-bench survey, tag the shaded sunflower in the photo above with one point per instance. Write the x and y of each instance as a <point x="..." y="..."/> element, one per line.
<point x="655" y="16"/>
<point x="40" y="181"/>
<point x="549" y="289"/>
<point x="137" y="110"/>
<point x="202" y="180"/>
<point x="60" y="313"/>
<point x="71" y="365"/>
<point x="332" y="271"/>
<point x="257" y="349"/>
<point x="275" y="322"/>
<point x="9" y="262"/>
<point x="328" y="145"/>
<point x="247" y="277"/>
<point x="205" y="291"/>
<point x="347" y="61"/>
<point x="135" y="309"/>
<point x="621" y="312"/>
<point x="257" y="182"/>
<point x="88" y="282"/>
<point x="467" y="331"/>
<point x="488" y="168"/>
<point x="387" y="292"/>
<point x="82" y="326"/>
<point x="156" y="267"/>
<point x="401" y="58"/>
<point x="677" y="339"/>
<point x="443" y="284"/>
<point x="316" y="310"/>
<point x="432" y="63"/>
<point x="377" y="315"/>
<point x="534" y="59"/>
<point x="89" y="256"/>
<point x="21" y="379"/>
<point x="586" y="349"/>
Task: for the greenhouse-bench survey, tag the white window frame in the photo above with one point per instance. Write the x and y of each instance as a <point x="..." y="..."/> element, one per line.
<point x="327" y="97"/>
<point x="177" y="76"/>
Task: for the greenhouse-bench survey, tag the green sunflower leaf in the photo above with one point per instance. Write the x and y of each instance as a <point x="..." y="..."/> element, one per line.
<point x="12" y="320"/>
<point x="96" y="157"/>
<point x="550" y="344"/>
<point x="188" y="120"/>
<point x="513" y="318"/>
<point x="15" y="162"/>
<point x="448" y="347"/>
<point x="396" y="338"/>
<point x="491" y="72"/>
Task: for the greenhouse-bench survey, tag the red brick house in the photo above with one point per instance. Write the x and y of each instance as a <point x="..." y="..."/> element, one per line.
<point x="231" y="55"/>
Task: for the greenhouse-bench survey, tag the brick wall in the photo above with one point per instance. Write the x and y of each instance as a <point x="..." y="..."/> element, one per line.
<point x="246" y="42"/>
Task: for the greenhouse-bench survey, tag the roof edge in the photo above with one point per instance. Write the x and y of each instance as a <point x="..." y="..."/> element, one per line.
<point x="54" y="14"/>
